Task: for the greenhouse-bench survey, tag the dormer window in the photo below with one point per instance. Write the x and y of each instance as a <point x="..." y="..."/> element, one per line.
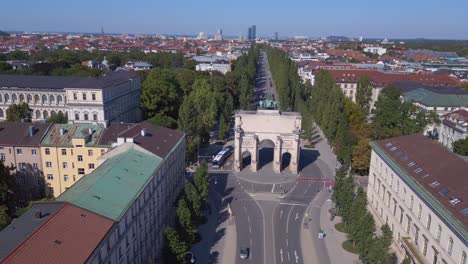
<point x="411" y="164"/>
<point x="455" y="201"/>
<point x="435" y="184"/>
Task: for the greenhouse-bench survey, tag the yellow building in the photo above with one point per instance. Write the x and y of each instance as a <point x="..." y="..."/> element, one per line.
<point x="70" y="151"/>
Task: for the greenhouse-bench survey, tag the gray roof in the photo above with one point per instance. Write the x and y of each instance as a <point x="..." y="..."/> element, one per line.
<point x="61" y="82"/>
<point x="22" y="227"/>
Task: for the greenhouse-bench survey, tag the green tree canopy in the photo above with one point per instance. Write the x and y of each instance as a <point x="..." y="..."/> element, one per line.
<point x="363" y="94"/>
<point x="460" y="147"/>
<point x="58" y="118"/>
<point x="19" y="112"/>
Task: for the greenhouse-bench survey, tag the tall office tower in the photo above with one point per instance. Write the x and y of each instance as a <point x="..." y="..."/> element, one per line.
<point x="276" y="36"/>
<point x="219" y="35"/>
<point x="249" y="35"/>
<point x="254" y="32"/>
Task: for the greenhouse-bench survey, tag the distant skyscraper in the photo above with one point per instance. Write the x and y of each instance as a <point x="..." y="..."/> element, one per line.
<point x="202" y="36"/>
<point x="276" y="36"/>
<point x="219" y="35"/>
<point x="252" y="35"/>
<point x="249" y="34"/>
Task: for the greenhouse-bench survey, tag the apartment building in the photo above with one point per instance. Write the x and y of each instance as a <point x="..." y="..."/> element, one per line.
<point x="20" y="148"/>
<point x="454" y="126"/>
<point x="117" y="213"/>
<point x="70" y="151"/>
<point x="419" y="189"/>
<point x="114" y="97"/>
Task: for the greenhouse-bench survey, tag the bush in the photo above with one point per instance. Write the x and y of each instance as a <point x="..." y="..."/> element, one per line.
<point x="348" y="246"/>
<point x="341" y="227"/>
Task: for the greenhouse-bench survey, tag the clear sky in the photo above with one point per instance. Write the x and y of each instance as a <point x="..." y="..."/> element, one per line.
<point x="446" y="19"/>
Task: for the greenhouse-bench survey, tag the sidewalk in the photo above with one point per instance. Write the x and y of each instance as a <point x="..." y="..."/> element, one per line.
<point x="328" y="250"/>
<point x="219" y="237"/>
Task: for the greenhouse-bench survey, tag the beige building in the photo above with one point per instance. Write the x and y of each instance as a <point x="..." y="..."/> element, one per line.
<point x="420" y="190"/>
<point x="20" y="148"/>
<point x="454" y="126"/>
<point x="114" y="97"/>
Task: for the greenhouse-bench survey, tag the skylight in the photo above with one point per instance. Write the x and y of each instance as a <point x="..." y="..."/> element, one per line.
<point x="393" y="148"/>
<point x="444" y="191"/>
<point x="405" y="158"/>
<point x="465" y="211"/>
<point x="418" y="170"/>
<point x="398" y="153"/>
<point x="435" y="184"/>
<point x="388" y="144"/>
<point x="426" y="175"/>
<point x="455" y="201"/>
<point x="411" y="164"/>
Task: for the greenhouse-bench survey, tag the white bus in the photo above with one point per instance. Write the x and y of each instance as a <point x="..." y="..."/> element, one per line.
<point x="221" y="157"/>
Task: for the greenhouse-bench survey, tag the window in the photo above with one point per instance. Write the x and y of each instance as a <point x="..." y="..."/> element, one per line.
<point x="65" y="177"/>
<point x="435" y="184"/>
<point x="95" y="117"/>
<point x="50" y="176"/>
<point x="393" y="148"/>
<point x="419" y="211"/>
<point x="455" y="200"/>
<point x="411" y="164"/>
<point x="64" y="165"/>
<point x="103" y="151"/>
<point x="93" y="97"/>
<point x="408" y="225"/>
<point x="439" y="232"/>
<point x="450" y="246"/>
<point x="80" y="158"/>
<point x="91" y="166"/>
<point x="22" y="165"/>
<point x="19" y="151"/>
<point x="64" y="152"/>
<point x="47" y="151"/>
<point x="48" y="164"/>
<point x="418" y="170"/>
<point x="444" y="191"/>
<point x="463" y="258"/>
<point x="2" y="156"/>
<point x="33" y="152"/>
<point x="425" y="247"/>
<point x="35" y="166"/>
<point x="86" y="116"/>
<point x="84" y="97"/>
<point x="75" y="96"/>
<point x="81" y="171"/>
<point x="77" y="116"/>
<point x="428" y="224"/>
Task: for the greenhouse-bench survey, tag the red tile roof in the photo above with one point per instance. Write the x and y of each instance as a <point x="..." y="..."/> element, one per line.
<point x="70" y="236"/>
<point x="437" y="164"/>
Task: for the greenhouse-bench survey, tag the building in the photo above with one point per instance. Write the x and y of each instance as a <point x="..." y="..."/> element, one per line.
<point x="252" y="33"/>
<point x="441" y="101"/>
<point x="219" y="35"/>
<point x="70" y="151"/>
<point x="138" y="66"/>
<point x="223" y="68"/>
<point x="202" y="36"/>
<point x="114" y="97"/>
<point x="419" y="189"/>
<point x="117" y="213"/>
<point x="454" y="126"/>
<point x="275" y="36"/>
<point x="20" y="148"/>
<point x="376" y="50"/>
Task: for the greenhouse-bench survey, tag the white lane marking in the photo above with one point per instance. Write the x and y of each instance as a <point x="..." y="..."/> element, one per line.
<point x="289" y="258"/>
<point x="281" y="213"/>
<point x="297" y="217"/>
<point x="297" y="257"/>
<point x="281" y="253"/>
<point x="294" y="204"/>
<point x="250" y="229"/>
<point x="287" y="242"/>
<point x="250" y="251"/>
<point x="273" y="188"/>
<point x="287" y="219"/>
<point x="248" y="219"/>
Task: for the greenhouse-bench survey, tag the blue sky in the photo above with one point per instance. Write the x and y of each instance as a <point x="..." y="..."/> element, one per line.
<point x="443" y="19"/>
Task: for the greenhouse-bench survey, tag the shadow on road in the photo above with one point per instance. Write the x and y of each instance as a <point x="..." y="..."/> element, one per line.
<point x="307" y="157"/>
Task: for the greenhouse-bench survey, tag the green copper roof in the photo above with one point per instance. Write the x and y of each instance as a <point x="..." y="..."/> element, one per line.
<point x="112" y="187"/>
<point x="55" y="138"/>
<point x="430" y="98"/>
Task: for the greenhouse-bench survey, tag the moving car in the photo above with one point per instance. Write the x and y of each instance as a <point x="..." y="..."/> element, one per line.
<point x="244" y="253"/>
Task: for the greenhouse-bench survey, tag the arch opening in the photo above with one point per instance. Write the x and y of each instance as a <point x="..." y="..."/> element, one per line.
<point x="266" y="150"/>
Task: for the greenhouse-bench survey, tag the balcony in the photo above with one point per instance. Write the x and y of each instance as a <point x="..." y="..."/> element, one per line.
<point x="411" y="250"/>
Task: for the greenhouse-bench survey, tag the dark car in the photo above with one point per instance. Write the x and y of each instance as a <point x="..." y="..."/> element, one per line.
<point x="244" y="253"/>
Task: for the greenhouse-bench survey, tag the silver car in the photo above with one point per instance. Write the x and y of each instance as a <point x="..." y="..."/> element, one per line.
<point x="244" y="253"/>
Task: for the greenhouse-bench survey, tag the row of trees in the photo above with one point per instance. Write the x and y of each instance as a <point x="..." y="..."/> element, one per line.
<point x="189" y="215"/>
<point x="351" y="204"/>
<point x="22" y="113"/>
<point x="197" y="102"/>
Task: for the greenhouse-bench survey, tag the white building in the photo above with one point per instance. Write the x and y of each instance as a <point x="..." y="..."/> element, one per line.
<point x="419" y="189"/>
<point x="223" y="68"/>
<point x="114" y="97"/>
<point x="376" y="50"/>
<point x="454" y="126"/>
<point x="202" y="36"/>
<point x="138" y="66"/>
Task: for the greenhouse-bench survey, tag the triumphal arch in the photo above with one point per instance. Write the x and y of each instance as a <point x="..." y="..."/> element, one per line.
<point x="281" y="128"/>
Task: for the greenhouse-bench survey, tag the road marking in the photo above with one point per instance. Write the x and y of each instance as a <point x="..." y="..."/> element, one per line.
<point x="287" y="219"/>
<point x="297" y="217"/>
<point x="297" y="257"/>
<point x="273" y="188"/>
<point x="250" y="251"/>
<point x="281" y="253"/>
<point x="248" y="219"/>
<point x="287" y="242"/>
<point x="281" y="213"/>
<point x="289" y="258"/>
<point x="250" y="229"/>
<point x="294" y="204"/>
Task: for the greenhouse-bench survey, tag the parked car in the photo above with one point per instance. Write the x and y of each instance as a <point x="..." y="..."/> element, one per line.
<point x="244" y="253"/>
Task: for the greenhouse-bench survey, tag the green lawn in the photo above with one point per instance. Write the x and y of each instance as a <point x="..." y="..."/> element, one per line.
<point x="348" y="246"/>
<point x="340" y="227"/>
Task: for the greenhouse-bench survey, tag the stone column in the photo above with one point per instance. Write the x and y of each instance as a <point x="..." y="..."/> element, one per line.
<point x="295" y="156"/>
<point x="237" y="150"/>
<point x="277" y="155"/>
<point x="254" y="154"/>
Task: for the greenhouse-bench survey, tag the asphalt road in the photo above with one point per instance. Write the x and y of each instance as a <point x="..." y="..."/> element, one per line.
<point x="264" y="87"/>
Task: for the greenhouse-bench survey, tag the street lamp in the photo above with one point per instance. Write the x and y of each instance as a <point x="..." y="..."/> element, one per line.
<point x="192" y="257"/>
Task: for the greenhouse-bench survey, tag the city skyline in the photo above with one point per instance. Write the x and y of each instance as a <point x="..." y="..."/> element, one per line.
<point x="303" y="18"/>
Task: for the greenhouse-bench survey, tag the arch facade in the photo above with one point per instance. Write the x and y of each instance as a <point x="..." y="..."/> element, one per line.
<point x="253" y="127"/>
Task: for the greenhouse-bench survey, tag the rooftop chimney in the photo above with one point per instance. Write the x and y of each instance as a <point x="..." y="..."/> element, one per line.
<point x="90" y="131"/>
<point x="143" y="132"/>
<point x="31" y="131"/>
<point x="38" y="214"/>
<point x="62" y="131"/>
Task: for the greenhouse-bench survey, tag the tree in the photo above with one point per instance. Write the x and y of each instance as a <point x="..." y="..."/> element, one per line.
<point x="223" y="128"/>
<point x="184" y="217"/>
<point x="246" y="94"/>
<point x="164" y="121"/>
<point x="363" y="94"/>
<point x="19" y="112"/>
<point x="202" y="182"/>
<point x="58" y="118"/>
<point x="460" y="147"/>
<point x="193" y="198"/>
<point x="161" y="93"/>
<point x="4" y="217"/>
<point x="361" y="156"/>
<point x="176" y="245"/>
<point x="380" y="247"/>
